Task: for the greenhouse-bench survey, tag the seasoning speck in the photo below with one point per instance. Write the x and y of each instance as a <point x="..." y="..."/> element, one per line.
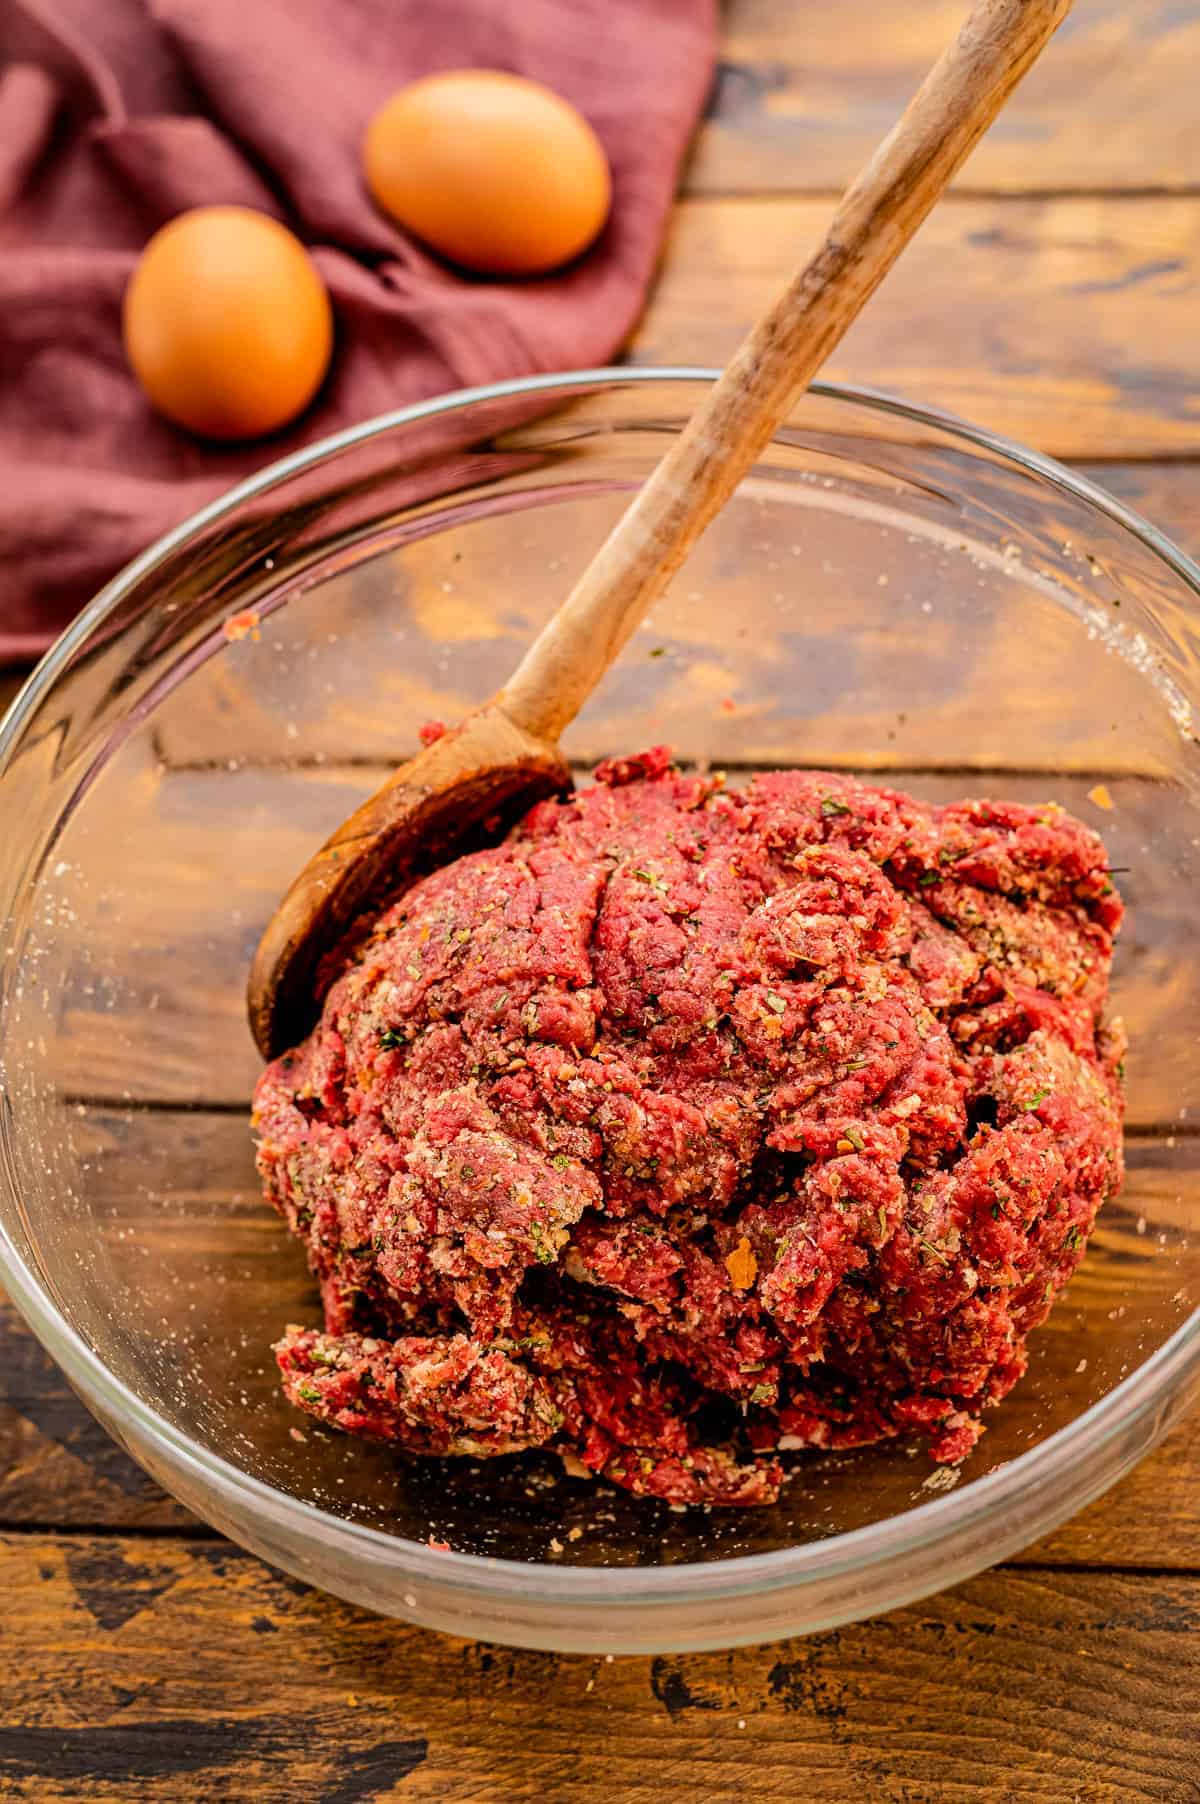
<point x="242" y="626"/>
<point x="944" y="1479"/>
<point x="741" y="1265"/>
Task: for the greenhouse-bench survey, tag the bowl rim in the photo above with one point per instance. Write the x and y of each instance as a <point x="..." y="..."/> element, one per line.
<point x="982" y="1501"/>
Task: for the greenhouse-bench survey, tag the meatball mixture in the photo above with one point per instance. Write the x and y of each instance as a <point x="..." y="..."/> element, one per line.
<point x="687" y="1127"/>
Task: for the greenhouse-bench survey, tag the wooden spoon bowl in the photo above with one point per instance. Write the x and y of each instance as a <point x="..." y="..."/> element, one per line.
<point x="479" y="776"/>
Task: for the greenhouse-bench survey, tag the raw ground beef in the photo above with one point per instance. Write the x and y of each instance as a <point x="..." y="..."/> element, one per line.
<point x="688" y="1126"/>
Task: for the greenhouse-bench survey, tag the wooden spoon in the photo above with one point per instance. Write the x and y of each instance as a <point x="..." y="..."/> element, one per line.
<point x="506" y="753"/>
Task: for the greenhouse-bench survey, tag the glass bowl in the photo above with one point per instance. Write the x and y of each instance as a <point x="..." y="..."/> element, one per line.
<point x="890" y="591"/>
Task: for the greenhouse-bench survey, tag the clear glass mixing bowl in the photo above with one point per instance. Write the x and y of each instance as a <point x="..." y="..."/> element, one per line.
<point x="890" y="591"/>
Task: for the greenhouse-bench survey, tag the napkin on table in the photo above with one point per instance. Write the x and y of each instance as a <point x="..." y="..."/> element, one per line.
<point x="117" y="114"/>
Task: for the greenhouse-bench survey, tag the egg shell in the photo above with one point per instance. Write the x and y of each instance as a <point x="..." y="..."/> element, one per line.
<point x="497" y="173"/>
<point x="227" y="323"/>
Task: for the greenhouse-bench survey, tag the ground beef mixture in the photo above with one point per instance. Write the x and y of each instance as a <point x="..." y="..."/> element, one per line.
<point x="689" y="1126"/>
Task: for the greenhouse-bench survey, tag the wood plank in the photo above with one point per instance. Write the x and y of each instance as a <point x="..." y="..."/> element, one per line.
<point x="1065" y="323"/>
<point x="803" y="96"/>
<point x="1149" y="1519"/>
<point x="150" y="1668"/>
<point x="867" y="576"/>
<point x="1165" y="494"/>
<point x="812" y="606"/>
<point x="58" y="1467"/>
<point x="172" y="1670"/>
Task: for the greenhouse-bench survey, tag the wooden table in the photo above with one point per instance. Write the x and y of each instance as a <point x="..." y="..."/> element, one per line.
<point x="1053" y="297"/>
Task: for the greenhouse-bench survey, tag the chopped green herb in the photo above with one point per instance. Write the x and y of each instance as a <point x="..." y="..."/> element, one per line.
<point x="543" y="1253"/>
<point x="831" y="806"/>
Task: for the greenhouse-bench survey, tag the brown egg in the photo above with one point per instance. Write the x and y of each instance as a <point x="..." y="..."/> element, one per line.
<point x="495" y="172"/>
<point x="227" y="323"/>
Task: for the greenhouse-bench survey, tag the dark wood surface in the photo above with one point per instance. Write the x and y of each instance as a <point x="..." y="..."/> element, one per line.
<point x="184" y="1671"/>
<point x="1054" y="297"/>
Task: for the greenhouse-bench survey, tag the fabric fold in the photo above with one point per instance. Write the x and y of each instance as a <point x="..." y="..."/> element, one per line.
<point x="117" y="114"/>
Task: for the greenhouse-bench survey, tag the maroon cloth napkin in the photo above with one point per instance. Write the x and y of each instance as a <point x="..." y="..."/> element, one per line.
<point x="116" y="114"/>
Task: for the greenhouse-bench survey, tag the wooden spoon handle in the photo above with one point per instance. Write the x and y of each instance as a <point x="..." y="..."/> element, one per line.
<point x="878" y="215"/>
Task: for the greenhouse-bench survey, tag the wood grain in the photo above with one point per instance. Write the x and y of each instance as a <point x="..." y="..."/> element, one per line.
<point x="147" y="1666"/>
<point x="1065" y="323"/>
<point x="1165" y="494"/>
<point x="57" y="1465"/>
<point x="802" y="94"/>
<point x="175" y="1671"/>
<point x="793" y="633"/>
<point x="898" y="185"/>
